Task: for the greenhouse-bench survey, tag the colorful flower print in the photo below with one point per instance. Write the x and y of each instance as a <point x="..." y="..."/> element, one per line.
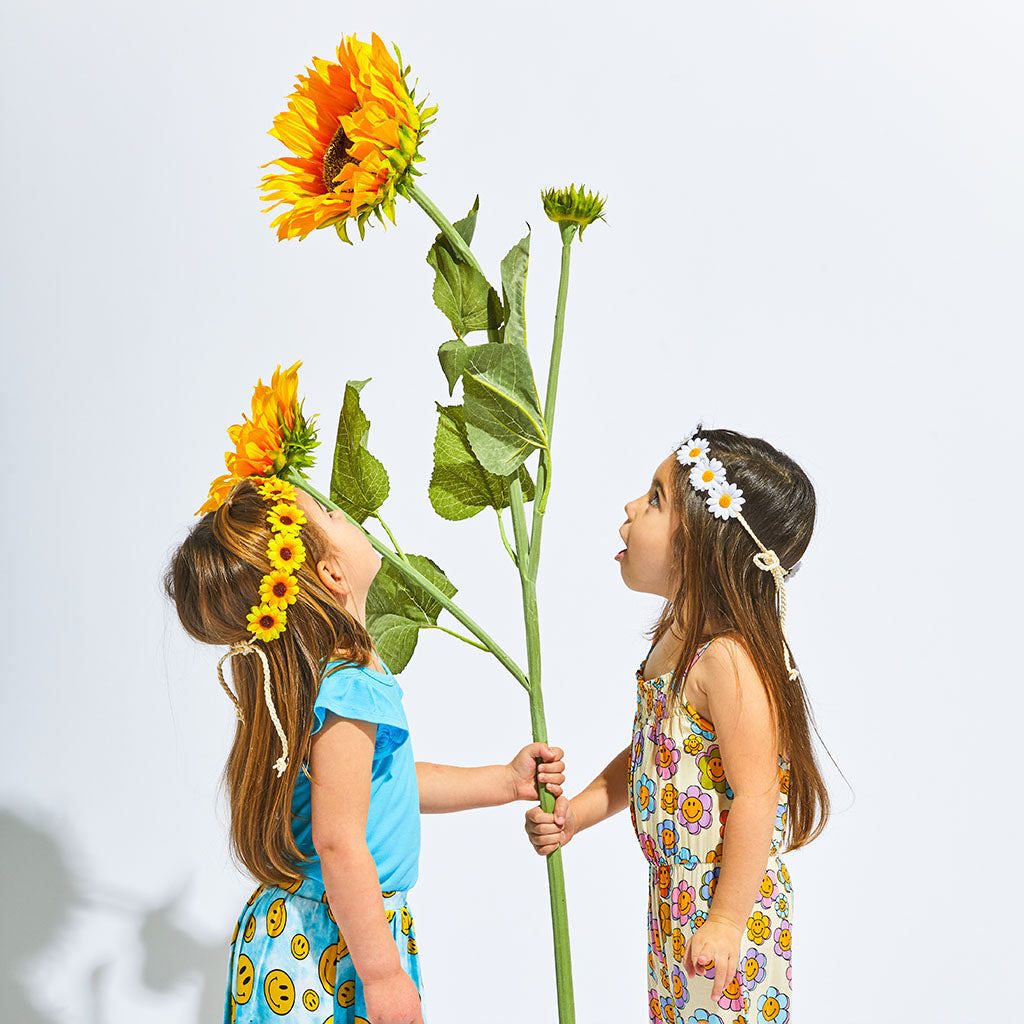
<point x="759" y="927"/>
<point x="669" y="798"/>
<point x="752" y="967"/>
<point x="647" y="844"/>
<point x="669" y="838"/>
<point x="659" y="707"/>
<point x="680" y="993"/>
<point x="664" y="976"/>
<point x="678" y="945"/>
<point x="706" y="734"/>
<point x="668" y="1010"/>
<point x="699" y="917"/>
<point x="732" y="997"/>
<point x="784" y="780"/>
<point x="766" y="894"/>
<point x="665" y="917"/>
<point x="695" y="810"/>
<point x="714" y="856"/>
<point x="683" y="904"/>
<point x="648" y="700"/>
<point x="782" y="905"/>
<point x="686" y="858"/>
<point x="655" y="1005"/>
<point x="666" y="756"/>
<point x="704" y="1017"/>
<point x="784" y="940"/>
<point x="784" y="877"/>
<point x="712" y="771"/>
<point x="781" y="816"/>
<point x="693" y="744"/>
<point x="721" y="823"/>
<point x="645" y="792"/>
<point x="773" y="1007"/>
<point x="708" y="883"/>
<point x="664" y="880"/>
<point x="638" y="751"/>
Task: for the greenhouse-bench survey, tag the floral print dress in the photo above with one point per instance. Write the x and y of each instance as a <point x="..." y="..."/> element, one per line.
<point x="679" y="802"/>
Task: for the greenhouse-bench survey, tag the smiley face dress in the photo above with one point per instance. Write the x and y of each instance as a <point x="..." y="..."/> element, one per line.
<point x="679" y="803"/>
<point x="289" y="964"/>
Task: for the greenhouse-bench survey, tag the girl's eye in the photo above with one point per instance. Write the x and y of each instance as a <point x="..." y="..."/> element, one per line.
<point x="653" y="499"/>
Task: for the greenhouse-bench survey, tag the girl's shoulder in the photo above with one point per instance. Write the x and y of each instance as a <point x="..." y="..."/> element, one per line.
<point x="357" y="691"/>
<point x="725" y="661"/>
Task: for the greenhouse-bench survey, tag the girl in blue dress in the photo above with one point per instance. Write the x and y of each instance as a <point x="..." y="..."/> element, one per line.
<point x="325" y="795"/>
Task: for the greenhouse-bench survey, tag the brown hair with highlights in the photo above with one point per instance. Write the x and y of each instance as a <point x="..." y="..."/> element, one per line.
<point x="721" y="592"/>
<point x="214" y="580"/>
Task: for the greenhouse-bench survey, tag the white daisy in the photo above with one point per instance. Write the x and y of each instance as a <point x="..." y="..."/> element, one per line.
<point x="706" y="473"/>
<point x="725" y="501"/>
<point x="690" y="451"/>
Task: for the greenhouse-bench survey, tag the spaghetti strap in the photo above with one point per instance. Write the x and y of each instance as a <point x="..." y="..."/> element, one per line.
<point x="696" y="658"/>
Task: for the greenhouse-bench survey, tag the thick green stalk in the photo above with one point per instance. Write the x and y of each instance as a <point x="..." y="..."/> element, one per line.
<point x="418" y="578"/>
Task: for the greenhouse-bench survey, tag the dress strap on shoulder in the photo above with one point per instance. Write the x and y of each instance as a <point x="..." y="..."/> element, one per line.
<point x="700" y="650"/>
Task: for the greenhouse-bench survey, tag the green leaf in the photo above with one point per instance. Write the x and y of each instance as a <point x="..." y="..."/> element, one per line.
<point x="359" y="483"/>
<point x="462" y="293"/>
<point x="452" y="356"/>
<point x="396" y="609"/>
<point x="467" y="225"/>
<point x="503" y="418"/>
<point x="513" y="286"/>
<point x="459" y="486"/>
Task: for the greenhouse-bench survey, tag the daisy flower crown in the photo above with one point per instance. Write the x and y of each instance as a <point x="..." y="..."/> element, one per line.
<point x="725" y="501"/>
<point x="279" y="588"/>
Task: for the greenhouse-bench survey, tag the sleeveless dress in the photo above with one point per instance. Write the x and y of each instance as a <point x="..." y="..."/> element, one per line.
<point x="288" y="959"/>
<point x="679" y="803"/>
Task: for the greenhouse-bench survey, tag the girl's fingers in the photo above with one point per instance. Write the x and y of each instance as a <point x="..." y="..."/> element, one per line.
<point x="561" y="810"/>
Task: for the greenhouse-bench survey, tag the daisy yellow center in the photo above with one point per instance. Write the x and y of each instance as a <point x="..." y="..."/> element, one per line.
<point x="336" y="157"/>
<point x="694" y="452"/>
<point x="707" y="475"/>
<point x="725" y="501"/>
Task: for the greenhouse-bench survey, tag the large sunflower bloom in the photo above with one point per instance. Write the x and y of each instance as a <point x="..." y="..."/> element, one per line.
<point x="354" y="127"/>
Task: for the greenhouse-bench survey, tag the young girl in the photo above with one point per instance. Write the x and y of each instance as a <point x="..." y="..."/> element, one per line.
<point x="720" y="773"/>
<point x="325" y="796"/>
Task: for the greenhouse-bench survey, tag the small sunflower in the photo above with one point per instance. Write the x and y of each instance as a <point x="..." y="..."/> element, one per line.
<point x="265" y="622"/>
<point x="577" y="206"/>
<point x="706" y="473"/>
<point x="286" y="518"/>
<point x="690" y="451"/>
<point x="725" y="502"/>
<point x="279" y="589"/>
<point x="285" y="551"/>
<point x="355" y="129"/>
<point x="277" y="490"/>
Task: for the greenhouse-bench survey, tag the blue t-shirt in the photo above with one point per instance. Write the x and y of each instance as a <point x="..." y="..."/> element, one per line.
<point x="393" y="822"/>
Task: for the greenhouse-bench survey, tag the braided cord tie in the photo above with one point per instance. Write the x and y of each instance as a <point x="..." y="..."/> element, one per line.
<point x="245" y="648"/>
<point x="768" y="561"/>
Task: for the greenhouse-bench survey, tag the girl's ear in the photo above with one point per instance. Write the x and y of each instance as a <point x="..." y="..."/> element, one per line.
<point x="333" y="579"/>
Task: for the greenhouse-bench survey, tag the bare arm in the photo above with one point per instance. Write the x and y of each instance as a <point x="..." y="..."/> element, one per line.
<point x="340" y="762"/>
<point x="747" y="740"/>
<point x="445" y="787"/>
<point x="606" y="795"/>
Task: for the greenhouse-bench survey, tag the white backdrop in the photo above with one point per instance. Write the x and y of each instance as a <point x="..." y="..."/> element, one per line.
<point x="814" y="226"/>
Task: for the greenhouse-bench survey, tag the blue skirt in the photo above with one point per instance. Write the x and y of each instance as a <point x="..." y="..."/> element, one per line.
<point x="289" y="961"/>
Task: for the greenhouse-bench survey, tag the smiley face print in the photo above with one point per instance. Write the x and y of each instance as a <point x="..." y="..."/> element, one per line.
<point x="310" y="1000"/>
<point x="300" y="947"/>
<point x="279" y="992"/>
<point x="276" y="918"/>
<point x="245" y="976"/>
<point x="346" y="993"/>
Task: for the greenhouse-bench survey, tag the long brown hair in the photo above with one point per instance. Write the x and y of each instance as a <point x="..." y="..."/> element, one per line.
<point x="214" y="580"/>
<point x="721" y="592"/>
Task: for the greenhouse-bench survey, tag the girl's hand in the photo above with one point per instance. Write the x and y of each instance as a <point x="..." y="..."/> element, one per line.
<point x="548" y="832"/>
<point x="715" y="943"/>
<point x="392" y="999"/>
<point x="526" y="772"/>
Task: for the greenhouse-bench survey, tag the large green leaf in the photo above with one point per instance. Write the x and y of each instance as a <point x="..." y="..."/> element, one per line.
<point x="467" y="225"/>
<point x="513" y="286"/>
<point x="452" y="356"/>
<point x="359" y="483"/>
<point x="460" y="487"/>
<point x="503" y="418"/>
<point x="396" y="609"/>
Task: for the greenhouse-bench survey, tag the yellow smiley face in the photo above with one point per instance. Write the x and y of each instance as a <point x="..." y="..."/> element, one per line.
<point x="300" y="947"/>
<point x="750" y="969"/>
<point x="310" y="1000"/>
<point x="245" y="975"/>
<point x="678" y="992"/>
<point x="292" y="886"/>
<point x="342" y="948"/>
<point x="329" y="967"/>
<point x="767" y="887"/>
<point x="732" y="990"/>
<point x="250" y="929"/>
<point x="664" y="880"/>
<point x="276" y="917"/>
<point x="252" y="899"/>
<point x="770" y="1009"/>
<point x="785" y="939"/>
<point x="346" y="993"/>
<point x="279" y="992"/>
<point x="691" y="809"/>
<point x="406" y="920"/>
<point x="665" y="918"/>
<point x="412" y="946"/>
<point x="678" y="945"/>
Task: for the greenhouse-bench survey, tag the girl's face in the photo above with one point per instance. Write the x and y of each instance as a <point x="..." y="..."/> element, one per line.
<point x="646" y="562"/>
<point x="352" y="563"/>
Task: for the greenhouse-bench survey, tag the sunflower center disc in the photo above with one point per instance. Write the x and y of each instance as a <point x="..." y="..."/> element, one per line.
<point x="335" y="158"/>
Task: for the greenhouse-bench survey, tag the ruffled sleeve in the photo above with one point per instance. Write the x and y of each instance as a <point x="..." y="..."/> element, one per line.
<point x="352" y="692"/>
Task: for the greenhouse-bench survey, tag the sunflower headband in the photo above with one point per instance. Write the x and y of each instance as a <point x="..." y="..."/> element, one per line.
<point x="725" y="501"/>
<point x="279" y="588"/>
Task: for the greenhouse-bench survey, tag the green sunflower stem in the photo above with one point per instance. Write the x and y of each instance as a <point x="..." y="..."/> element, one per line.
<point x="417" y="578"/>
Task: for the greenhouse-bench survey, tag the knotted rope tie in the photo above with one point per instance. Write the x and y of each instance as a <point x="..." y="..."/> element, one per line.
<point x="245" y="648"/>
<point x="768" y="561"/>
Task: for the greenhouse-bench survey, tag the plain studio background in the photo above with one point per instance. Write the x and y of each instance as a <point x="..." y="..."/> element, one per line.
<point x="814" y="217"/>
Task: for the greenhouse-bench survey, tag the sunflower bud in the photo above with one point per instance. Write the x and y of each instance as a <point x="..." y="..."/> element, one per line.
<point x="573" y="206"/>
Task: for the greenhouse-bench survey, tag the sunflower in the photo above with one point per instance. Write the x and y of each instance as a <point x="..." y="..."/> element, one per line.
<point x="286" y="551"/>
<point x="285" y="518"/>
<point x="355" y="128"/>
<point x="265" y="622"/>
<point x="279" y="589"/>
<point x="277" y="490"/>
